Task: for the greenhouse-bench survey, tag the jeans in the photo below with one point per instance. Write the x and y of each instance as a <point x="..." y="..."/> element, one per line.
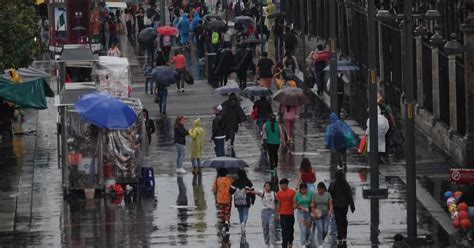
<point x="332" y="228"/>
<point x="322" y="225"/>
<point x="219" y="147"/>
<point x="148" y="85"/>
<point x="340" y="214"/>
<point x="304" y="221"/>
<point x="287" y="222"/>
<point x="268" y="225"/>
<point x="179" y="155"/>
<point x="196" y="162"/>
<point x="163" y="95"/>
<point x="243" y="214"/>
<point x="278" y="40"/>
<point x="273" y="154"/>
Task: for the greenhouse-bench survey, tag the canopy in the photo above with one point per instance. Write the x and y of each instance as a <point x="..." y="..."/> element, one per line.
<point x="30" y="94"/>
<point x="28" y="74"/>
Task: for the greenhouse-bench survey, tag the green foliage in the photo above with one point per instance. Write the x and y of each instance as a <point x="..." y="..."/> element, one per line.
<point x="18" y="30"/>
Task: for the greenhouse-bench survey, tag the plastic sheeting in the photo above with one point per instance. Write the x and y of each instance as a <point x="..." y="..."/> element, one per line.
<point x="114" y="75"/>
<point x="339" y="135"/>
<point x="31" y="94"/>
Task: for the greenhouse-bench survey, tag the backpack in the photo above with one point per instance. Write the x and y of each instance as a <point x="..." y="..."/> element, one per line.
<point x="240" y="197"/>
<point x="215" y="38"/>
<point x="290" y="63"/>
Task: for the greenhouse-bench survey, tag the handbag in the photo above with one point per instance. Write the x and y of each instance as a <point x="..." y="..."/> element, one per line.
<point x="254" y="113"/>
<point x="188" y="78"/>
<point x="362" y="149"/>
<point x="156" y="99"/>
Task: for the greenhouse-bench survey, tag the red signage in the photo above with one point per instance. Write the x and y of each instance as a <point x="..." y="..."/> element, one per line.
<point x="462" y="176"/>
<point x="78" y="21"/>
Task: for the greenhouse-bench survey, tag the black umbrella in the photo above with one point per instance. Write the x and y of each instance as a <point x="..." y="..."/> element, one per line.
<point x="209" y="18"/>
<point x="276" y="15"/>
<point x="252" y="41"/>
<point x="224" y="162"/>
<point x="243" y="20"/>
<point x="164" y="75"/>
<point x="147" y="35"/>
<point x="217" y="26"/>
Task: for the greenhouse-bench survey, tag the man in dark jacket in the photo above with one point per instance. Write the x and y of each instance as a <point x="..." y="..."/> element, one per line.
<point x="243" y="59"/>
<point x="264" y="110"/>
<point x="232" y="116"/>
<point x="290" y="40"/>
<point x="218" y="132"/>
<point x="341" y="194"/>
<point x="278" y="32"/>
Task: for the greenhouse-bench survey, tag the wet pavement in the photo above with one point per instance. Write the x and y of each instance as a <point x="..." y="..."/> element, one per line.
<point x="34" y="214"/>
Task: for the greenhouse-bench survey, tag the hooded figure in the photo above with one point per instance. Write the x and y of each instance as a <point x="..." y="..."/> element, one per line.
<point x="195" y="21"/>
<point x="383" y="127"/>
<point x="197" y="135"/>
<point x="232" y="116"/>
<point x="183" y="27"/>
<point x="334" y="136"/>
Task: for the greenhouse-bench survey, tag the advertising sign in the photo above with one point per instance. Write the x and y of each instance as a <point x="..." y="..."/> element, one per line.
<point x="78" y="21"/>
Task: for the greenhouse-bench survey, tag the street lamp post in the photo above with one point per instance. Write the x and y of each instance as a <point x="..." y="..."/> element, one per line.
<point x="333" y="56"/>
<point x="163" y="13"/>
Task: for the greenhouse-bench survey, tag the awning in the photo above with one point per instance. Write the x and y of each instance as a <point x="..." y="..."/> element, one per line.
<point x="78" y="54"/>
<point x="30" y="94"/>
<point x="28" y="74"/>
<point x="120" y="5"/>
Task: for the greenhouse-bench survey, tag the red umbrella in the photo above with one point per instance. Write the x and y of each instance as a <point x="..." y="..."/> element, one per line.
<point x="167" y="30"/>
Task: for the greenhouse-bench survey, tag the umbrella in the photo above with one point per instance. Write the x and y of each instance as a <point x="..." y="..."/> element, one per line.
<point x="256" y="91"/>
<point x="344" y="66"/>
<point x="291" y="97"/>
<point x="167" y="30"/>
<point x="224" y="162"/>
<point x="209" y="18"/>
<point x="225" y="90"/>
<point x="105" y="111"/>
<point x="164" y="75"/>
<point x="243" y="20"/>
<point x="147" y="35"/>
<point x="217" y="25"/>
<point x="276" y="15"/>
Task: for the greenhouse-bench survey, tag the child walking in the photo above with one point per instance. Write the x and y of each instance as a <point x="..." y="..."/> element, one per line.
<point x="221" y="188"/>
<point x="268" y="213"/>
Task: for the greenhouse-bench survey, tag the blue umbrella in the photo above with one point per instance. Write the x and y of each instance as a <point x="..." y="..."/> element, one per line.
<point x="224" y="162"/>
<point x="226" y="90"/>
<point x="164" y="75"/>
<point x="344" y="66"/>
<point x="105" y="111"/>
<point x="256" y="91"/>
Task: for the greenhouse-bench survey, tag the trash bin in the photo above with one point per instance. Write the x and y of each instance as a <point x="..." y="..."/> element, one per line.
<point x="210" y="60"/>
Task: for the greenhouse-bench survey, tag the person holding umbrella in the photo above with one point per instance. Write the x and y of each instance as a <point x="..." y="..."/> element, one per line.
<point x="179" y="62"/>
<point x="264" y="110"/>
<point x="289" y="114"/>
<point x="180" y="134"/>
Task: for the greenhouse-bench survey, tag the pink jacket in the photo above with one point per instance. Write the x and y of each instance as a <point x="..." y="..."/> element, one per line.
<point x="289" y="114"/>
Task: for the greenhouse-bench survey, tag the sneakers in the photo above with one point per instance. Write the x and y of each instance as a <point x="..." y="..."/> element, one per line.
<point x="181" y="170"/>
<point x="182" y="90"/>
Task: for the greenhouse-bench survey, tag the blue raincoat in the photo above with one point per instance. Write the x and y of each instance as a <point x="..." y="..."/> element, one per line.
<point x="183" y="27"/>
<point x="195" y="22"/>
<point x="339" y="135"/>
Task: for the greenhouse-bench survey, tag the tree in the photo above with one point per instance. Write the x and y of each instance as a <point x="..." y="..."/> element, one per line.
<point x="18" y="42"/>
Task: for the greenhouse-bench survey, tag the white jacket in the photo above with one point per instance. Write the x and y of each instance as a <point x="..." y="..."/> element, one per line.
<point x="383" y="127"/>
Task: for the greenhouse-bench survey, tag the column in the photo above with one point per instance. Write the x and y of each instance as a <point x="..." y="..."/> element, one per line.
<point x="453" y="106"/>
<point x="468" y="29"/>
<point x="436" y="41"/>
<point x="419" y="32"/>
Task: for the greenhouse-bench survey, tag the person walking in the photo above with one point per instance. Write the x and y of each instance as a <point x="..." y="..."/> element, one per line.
<point x="265" y="70"/>
<point x="218" y="132"/>
<point x="264" y="111"/>
<point x="307" y="174"/>
<point x="320" y="59"/>
<point x="243" y="199"/>
<point x="322" y="210"/>
<point x="197" y="135"/>
<point x="233" y="116"/>
<point x="289" y="116"/>
<point x="278" y="32"/>
<point x="183" y="27"/>
<point x="179" y="62"/>
<point x="180" y="134"/>
<point x="129" y="24"/>
<point x="161" y="92"/>
<point x="335" y="139"/>
<point x="290" y="40"/>
<point x="147" y="69"/>
<point x="383" y="127"/>
<point x="302" y="205"/>
<point x="289" y="61"/>
<point x="286" y="199"/>
<point x="222" y="190"/>
<point x="272" y="138"/>
<point x="341" y="194"/>
<point x="268" y="213"/>
<point x="149" y="125"/>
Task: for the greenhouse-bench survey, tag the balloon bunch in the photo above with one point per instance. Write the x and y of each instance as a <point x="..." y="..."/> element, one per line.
<point x="459" y="212"/>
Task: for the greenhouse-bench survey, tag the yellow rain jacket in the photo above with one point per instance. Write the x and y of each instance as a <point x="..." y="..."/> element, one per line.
<point x="197" y="135"/>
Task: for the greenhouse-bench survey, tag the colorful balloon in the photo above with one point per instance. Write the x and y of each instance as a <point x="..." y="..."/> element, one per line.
<point x="452" y="208"/>
<point x="465" y="224"/>
<point x="462" y="206"/>
<point x="456" y="223"/>
<point x="450" y="201"/>
<point x="463" y="215"/>
<point x="448" y="194"/>
<point x="455" y="215"/>
<point x="458" y="194"/>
